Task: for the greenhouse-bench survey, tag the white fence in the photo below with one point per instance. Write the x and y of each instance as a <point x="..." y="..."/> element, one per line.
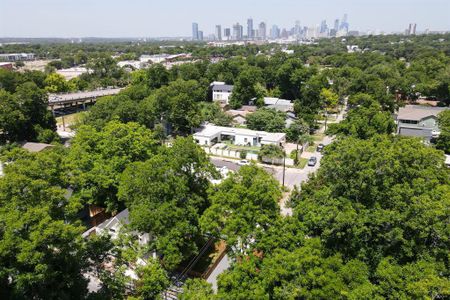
<point x="250" y="156"/>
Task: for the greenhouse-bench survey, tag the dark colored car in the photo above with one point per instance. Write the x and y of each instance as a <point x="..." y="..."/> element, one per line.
<point x="320" y="147"/>
<point x="312" y="161"/>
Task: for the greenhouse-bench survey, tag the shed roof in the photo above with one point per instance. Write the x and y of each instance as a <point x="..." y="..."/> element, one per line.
<point x="36" y="147"/>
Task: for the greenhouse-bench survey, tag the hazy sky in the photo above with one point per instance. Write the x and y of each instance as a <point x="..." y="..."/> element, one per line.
<point x="150" y="18"/>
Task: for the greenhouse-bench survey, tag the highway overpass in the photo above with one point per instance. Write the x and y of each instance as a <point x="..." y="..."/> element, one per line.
<point x="69" y="99"/>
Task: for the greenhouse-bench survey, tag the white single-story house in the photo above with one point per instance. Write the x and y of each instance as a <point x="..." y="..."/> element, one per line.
<point x="210" y="134"/>
<point x="221" y="92"/>
<point x="418" y="121"/>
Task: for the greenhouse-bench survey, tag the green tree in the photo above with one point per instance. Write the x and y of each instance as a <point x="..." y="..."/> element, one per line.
<point x="443" y="141"/>
<point x="272" y="152"/>
<point x="419" y="280"/>
<point x="176" y="104"/>
<point x="267" y="119"/>
<point x="365" y="122"/>
<point x="377" y="198"/>
<point x="243" y="204"/>
<point x="197" y="289"/>
<point x="24" y="114"/>
<point x="42" y="254"/>
<point x="157" y="76"/>
<point x="152" y="280"/>
<point x="166" y="196"/>
<point x="97" y="158"/>
<point x="329" y="100"/>
<point x="304" y="273"/>
<point x="246" y="88"/>
<point x="213" y="113"/>
<point x="56" y="83"/>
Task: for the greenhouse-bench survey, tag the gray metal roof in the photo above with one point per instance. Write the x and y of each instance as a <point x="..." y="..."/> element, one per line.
<point x="121" y="217"/>
<point x="417" y="112"/>
<point x="224" y="88"/>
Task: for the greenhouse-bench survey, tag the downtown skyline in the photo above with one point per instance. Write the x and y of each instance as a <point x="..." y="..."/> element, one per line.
<point x="261" y="30"/>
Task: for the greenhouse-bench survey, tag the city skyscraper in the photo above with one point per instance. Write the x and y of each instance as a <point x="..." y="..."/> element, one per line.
<point x="411" y="29"/>
<point x="238" y="32"/>
<point x="297" y="29"/>
<point x="195" y="36"/>
<point x="323" y="26"/>
<point x="227" y="33"/>
<point x="262" y="31"/>
<point x="344" y="23"/>
<point x="250" y="29"/>
<point x="336" y="25"/>
<point x="218" y="32"/>
<point x="200" y="35"/>
<point x="275" y="32"/>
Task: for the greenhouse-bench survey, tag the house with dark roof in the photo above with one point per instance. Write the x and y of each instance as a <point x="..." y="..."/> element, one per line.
<point x="418" y="121"/>
<point x="221" y="92"/>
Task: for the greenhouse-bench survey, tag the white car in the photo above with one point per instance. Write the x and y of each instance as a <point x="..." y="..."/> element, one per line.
<point x="243" y="162"/>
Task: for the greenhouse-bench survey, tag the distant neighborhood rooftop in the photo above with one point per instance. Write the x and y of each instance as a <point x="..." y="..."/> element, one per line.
<point x="418" y="112"/>
<point x="279" y="104"/>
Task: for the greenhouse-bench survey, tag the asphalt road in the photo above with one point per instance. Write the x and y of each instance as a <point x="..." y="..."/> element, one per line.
<point x="292" y="176"/>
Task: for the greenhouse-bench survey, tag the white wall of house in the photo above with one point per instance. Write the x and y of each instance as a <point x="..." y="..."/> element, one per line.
<point x="244" y="140"/>
<point x="221" y="96"/>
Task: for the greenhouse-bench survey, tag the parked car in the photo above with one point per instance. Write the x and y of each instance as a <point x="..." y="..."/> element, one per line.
<point x="312" y="161"/>
<point x="243" y="162"/>
<point x="320" y="147"/>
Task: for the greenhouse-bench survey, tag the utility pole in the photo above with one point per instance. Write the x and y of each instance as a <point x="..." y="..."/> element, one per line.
<point x="284" y="165"/>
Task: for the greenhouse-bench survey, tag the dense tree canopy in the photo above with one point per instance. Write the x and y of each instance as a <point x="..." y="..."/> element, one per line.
<point x="166" y="196"/>
<point x="304" y="273"/>
<point x="378" y="198"/>
<point x="41" y="253"/>
<point x="97" y="158"/>
<point x="24" y="115"/>
<point x="247" y="87"/>
<point x="243" y="204"/>
<point x="365" y="122"/>
<point x="443" y="142"/>
<point x="266" y="119"/>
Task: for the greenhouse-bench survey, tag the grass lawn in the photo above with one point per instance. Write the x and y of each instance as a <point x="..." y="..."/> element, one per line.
<point x="302" y="163"/>
<point x="318" y="137"/>
<point x="69" y="119"/>
<point x="311" y="148"/>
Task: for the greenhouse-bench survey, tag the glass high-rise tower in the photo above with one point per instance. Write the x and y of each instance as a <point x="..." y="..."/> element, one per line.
<point x="250" y="29"/>
<point x="195" y="36"/>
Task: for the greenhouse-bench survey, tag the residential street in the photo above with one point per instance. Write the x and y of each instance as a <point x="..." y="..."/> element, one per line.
<point x="292" y="176"/>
